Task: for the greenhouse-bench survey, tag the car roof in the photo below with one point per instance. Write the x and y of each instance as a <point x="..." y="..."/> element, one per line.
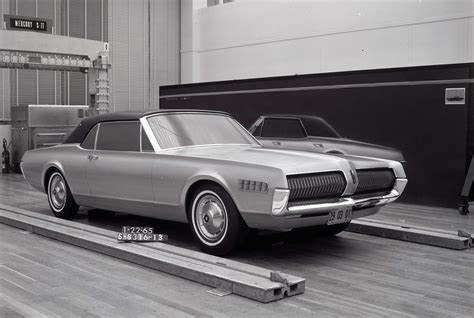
<point x="292" y="116"/>
<point x="80" y="132"/>
<point x="306" y="119"/>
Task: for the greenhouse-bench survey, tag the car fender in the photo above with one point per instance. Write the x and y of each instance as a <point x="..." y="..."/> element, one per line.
<point x="51" y="164"/>
<point x="212" y="176"/>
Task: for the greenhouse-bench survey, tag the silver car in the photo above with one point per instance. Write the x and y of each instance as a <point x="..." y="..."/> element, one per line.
<point x="204" y="168"/>
<point x="312" y="133"/>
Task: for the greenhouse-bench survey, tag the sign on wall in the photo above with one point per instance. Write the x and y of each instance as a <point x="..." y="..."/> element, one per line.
<point x="455" y="96"/>
<point x="23" y="23"/>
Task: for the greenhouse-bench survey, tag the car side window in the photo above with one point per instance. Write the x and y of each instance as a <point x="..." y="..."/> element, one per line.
<point x="89" y="141"/>
<point x="319" y="128"/>
<point x="119" y="136"/>
<point x="146" y="144"/>
<point x="282" y="128"/>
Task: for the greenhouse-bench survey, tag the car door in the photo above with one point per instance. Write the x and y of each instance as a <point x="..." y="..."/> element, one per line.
<point x="76" y="169"/>
<point x="119" y="170"/>
<point x="284" y="133"/>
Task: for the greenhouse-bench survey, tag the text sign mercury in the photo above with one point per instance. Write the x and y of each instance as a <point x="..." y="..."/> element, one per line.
<point x="21" y="23"/>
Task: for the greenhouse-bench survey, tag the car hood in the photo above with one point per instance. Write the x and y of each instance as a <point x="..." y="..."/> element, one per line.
<point x="352" y="141"/>
<point x="361" y="148"/>
<point x="289" y="161"/>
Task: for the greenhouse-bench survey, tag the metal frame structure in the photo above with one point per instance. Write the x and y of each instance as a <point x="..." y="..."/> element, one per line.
<point x="33" y="50"/>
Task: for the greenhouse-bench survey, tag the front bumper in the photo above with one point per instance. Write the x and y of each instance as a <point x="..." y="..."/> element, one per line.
<point x="317" y="208"/>
<point x="318" y="213"/>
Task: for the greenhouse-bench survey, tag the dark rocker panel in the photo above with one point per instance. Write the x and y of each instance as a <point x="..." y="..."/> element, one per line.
<point x="432" y="135"/>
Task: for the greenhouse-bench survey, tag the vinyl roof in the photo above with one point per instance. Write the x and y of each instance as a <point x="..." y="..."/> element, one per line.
<point x="292" y="116"/>
<point x="80" y="132"/>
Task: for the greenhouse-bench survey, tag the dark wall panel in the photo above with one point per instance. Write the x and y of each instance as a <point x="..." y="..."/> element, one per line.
<point x="94" y="29"/>
<point x="46" y="87"/>
<point x="76" y="18"/>
<point x="77" y="29"/>
<point x="77" y="88"/>
<point x="412" y="118"/>
<point x="46" y="84"/>
<point x="26" y="7"/>
<point x="26" y="83"/>
<point x="26" y="87"/>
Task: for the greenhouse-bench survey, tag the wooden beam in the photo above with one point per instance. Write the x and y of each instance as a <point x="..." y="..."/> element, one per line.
<point x="402" y="232"/>
<point x="242" y="279"/>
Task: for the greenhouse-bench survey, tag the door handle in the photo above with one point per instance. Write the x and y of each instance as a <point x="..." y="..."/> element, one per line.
<point x="276" y="143"/>
<point x="92" y="157"/>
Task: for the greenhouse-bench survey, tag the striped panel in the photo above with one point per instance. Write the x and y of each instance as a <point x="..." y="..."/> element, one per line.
<point x="375" y="181"/>
<point x="316" y="186"/>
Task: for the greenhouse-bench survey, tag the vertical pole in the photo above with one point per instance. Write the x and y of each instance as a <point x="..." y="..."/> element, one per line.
<point x="55" y="31"/>
<point x="86" y="75"/>
<point x="68" y="73"/>
<point x="150" y="105"/>
<point x="101" y="86"/>
<point x="37" y="71"/>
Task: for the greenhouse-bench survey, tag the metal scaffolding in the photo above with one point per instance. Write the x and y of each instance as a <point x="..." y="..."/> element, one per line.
<point x="30" y="50"/>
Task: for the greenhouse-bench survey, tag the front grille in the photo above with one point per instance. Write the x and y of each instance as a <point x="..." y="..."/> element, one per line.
<point x="375" y="181"/>
<point x="315" y="186"/>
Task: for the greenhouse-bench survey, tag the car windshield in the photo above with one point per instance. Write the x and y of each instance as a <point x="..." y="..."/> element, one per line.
<point x="194" y="129"/>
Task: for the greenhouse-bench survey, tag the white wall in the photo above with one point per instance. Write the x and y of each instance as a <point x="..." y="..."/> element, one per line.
<point x="144" y="51"/>
<point x="165" y="45"/>
<point x="189" y="37"/>
<point x="259" y="38"/>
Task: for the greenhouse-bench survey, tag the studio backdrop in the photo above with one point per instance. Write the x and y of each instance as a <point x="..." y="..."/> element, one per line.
<point x="426" y="112"/>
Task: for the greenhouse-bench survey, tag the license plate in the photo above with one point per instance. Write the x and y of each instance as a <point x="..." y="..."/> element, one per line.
<point x="340" y="216"/>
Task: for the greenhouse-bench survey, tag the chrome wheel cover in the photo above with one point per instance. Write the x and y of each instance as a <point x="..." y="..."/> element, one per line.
<point x="209" y="218"/>
<point x="57" y="191"/>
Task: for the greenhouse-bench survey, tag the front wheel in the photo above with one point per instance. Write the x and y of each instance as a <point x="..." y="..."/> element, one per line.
<point x="215" y="221"/>
<point x="60" y="198"/>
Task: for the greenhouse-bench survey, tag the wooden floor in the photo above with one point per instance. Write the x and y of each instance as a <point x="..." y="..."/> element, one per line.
<point x="348" y="275"/>
<point x="424" y="216"/>
<point x="40" y="277"/>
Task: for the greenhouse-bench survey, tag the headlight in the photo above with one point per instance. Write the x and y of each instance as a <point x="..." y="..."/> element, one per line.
<point x="280" y="199"/>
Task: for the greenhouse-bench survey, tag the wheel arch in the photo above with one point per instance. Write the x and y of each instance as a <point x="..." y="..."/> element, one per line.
<point x="48" y="170"/>
<point x="196" y="182"/>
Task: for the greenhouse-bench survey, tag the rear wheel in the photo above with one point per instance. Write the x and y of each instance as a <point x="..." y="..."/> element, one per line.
<point x="60" y="198"/>
<point x="215" y="221"/>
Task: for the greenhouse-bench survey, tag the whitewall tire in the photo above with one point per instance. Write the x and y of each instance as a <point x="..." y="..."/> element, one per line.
<point x="60" y="198"/>
<point x="214" y="220"/>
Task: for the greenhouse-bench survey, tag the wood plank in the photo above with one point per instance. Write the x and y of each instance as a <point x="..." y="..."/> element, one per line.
<point x="425" y="216"/>
<point x="113" y="281"/>
<point x="413" y="279"/>
<point x="244" y="280"/>
<point x="419" y="235"/>
<point x="206" y="258"/>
